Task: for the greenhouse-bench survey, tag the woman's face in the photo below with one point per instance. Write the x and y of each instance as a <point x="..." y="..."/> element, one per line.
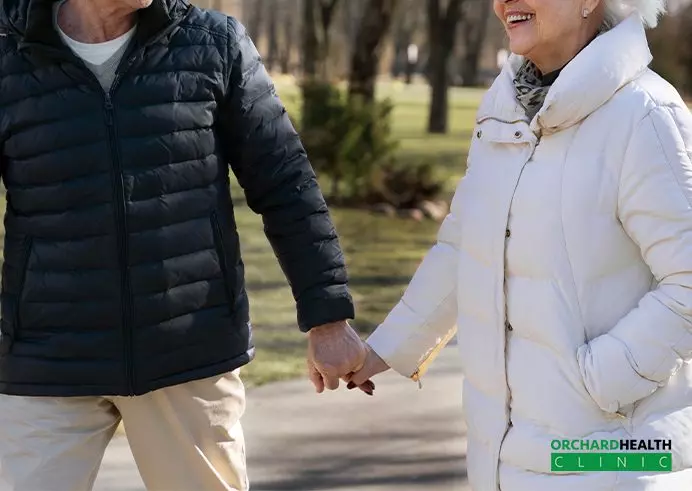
<point x="545" y="30"/>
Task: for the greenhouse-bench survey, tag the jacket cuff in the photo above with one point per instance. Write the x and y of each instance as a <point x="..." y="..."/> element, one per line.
<point x="392" y="343"/>
<point x="317" y="312"/>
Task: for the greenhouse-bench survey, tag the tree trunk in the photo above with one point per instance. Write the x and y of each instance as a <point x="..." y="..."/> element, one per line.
<point x="475" y="35"/>
<point x="374" y="27"/>
<point x="310" y="41"/>
<point x="327" y="8"/>
<point x="285" y="48"/>
<point x="439" y="82"/>
<point x="255" y="21"/>
<point x="442" y="27"/>
<point x="272" y="34"/>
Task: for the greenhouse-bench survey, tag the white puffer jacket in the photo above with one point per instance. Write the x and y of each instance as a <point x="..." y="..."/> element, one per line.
<point x="566" y="263"/>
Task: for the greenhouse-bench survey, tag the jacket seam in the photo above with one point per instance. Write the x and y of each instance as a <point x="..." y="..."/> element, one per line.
<point x="564" y="236"/>
<point x="664" y="152"/>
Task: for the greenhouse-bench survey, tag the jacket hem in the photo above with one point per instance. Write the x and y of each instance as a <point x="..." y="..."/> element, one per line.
<point x="42" y="390"/>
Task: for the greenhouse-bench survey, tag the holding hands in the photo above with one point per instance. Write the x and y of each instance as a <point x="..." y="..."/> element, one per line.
<point x="336" y="352"/>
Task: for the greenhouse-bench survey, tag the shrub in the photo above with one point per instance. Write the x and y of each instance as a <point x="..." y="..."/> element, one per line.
<point x="405" y="186"/>
<point x="346" y="139"/>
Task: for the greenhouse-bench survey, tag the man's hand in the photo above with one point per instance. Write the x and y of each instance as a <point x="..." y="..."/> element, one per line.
<point x="334" y="351"/>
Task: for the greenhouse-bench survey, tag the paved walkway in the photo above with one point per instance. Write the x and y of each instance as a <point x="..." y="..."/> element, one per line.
<point x="401" y="439"/>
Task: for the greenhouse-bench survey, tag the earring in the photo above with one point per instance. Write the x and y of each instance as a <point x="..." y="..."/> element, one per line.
<point x="585" y="13"/>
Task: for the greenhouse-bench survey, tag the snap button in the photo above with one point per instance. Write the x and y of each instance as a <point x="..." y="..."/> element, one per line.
<point x="509" y="327"/>
<point x="479" y="134"/>
<point x="517" y="134"/>
<point x="508" y="233"/>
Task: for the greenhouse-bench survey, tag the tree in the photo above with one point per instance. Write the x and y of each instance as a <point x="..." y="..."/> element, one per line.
<point x="374" y="26"/>
<point x="273" y="34"/>
<point x="253" y="11"/>
<point x="686" y="55"/>
<point x="288" y="35"/>
<point x="442" y="28"/>
<point x="475" y="29"/>
<point x="316" y="36"/>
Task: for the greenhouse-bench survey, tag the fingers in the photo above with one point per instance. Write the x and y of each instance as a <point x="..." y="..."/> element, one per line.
<point x="316" y="378"/>
<point x="368" y="387"/>
<point x="330" y="377"/>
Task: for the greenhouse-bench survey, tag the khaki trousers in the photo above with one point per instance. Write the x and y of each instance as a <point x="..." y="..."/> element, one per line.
<point x="183" y="438"/>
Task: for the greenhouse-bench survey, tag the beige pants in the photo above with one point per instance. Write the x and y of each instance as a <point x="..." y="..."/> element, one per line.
<point x="184" y="438"/>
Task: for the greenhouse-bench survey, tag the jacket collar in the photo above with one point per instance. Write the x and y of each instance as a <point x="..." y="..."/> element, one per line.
<point x="32" y="20"/>
<point x="608" y="63"/>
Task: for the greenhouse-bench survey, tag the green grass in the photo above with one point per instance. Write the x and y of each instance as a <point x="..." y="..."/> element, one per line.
<point x="382" y="253"/>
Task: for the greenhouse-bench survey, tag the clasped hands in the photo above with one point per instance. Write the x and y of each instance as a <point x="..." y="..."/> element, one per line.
<point x="335" y="353"/>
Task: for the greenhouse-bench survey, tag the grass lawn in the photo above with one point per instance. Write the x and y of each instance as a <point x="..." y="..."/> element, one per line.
<point x="382" y="253"/>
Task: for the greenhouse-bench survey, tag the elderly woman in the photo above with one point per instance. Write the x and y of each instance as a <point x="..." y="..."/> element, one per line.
<point x="566" y="259"/>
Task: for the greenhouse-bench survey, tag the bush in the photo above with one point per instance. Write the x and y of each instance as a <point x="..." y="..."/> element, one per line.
<point x="405" y="186"/>
<point x="346" y="139"/>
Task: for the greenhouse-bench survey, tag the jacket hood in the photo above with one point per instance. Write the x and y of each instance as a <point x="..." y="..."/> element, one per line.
<point x="608" y="63"/>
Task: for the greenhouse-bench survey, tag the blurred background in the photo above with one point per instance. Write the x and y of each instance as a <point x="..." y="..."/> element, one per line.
<point x="384" y="93"/>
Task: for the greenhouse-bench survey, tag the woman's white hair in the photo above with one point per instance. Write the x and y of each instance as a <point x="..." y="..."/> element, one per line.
<point x="648" y="10"/>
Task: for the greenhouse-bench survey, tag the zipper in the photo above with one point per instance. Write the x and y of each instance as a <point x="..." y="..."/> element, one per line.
<point x="121" y="234"/>
<point x="26" y="249"/>
<point x="506" y="329"/>
<point x="430" y="356"/>
<point x="221" y="253"/>
<point x="117" y="176"/>
<point x="493" y="118"/>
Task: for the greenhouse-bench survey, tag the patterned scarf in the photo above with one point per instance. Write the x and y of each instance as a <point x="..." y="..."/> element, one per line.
<point x="531" y="88"/>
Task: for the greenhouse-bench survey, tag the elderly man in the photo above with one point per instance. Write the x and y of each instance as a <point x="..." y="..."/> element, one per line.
<point x="123" y="288"/>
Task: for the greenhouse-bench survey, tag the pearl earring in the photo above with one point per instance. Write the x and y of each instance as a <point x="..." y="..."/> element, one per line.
<point x="585" y="13"/>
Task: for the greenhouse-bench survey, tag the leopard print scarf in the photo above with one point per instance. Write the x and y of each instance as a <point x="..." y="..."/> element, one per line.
<point x="530" y="88"/>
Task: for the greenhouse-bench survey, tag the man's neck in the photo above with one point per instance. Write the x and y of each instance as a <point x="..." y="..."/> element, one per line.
<point x="95" y="21"/>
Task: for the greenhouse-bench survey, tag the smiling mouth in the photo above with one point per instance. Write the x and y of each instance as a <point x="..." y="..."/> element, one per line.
<point x="516" y="19"/>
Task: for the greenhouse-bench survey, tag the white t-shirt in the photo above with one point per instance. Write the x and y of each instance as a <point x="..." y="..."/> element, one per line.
<point x="101" y="58"/>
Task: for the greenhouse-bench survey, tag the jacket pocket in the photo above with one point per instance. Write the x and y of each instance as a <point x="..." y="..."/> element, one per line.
<point x="223" y="260"/>
<point x="11" y="305"/>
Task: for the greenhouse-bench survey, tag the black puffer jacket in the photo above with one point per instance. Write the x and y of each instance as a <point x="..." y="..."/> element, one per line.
<point x="122" y="269"/>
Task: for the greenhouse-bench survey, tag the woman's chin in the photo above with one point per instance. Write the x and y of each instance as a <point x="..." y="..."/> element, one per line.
<point x="520" y="47"/>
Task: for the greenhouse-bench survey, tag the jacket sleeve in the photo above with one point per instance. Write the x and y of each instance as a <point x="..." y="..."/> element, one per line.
<point x="651" y="343"/>
<point x="428" y="309"/>
<point x="268" y="158"/>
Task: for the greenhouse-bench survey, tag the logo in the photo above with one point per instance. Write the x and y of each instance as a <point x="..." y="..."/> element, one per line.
<point x="611" y="455"/>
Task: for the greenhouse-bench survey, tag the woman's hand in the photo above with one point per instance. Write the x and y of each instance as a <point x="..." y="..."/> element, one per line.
<point x="372" y="366"/>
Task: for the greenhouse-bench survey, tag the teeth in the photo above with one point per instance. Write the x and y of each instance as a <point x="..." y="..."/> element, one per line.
<point x="518" y="18"/>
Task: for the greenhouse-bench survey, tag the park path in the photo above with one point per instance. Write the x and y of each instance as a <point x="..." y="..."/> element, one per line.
<point x="402" y="439"/>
